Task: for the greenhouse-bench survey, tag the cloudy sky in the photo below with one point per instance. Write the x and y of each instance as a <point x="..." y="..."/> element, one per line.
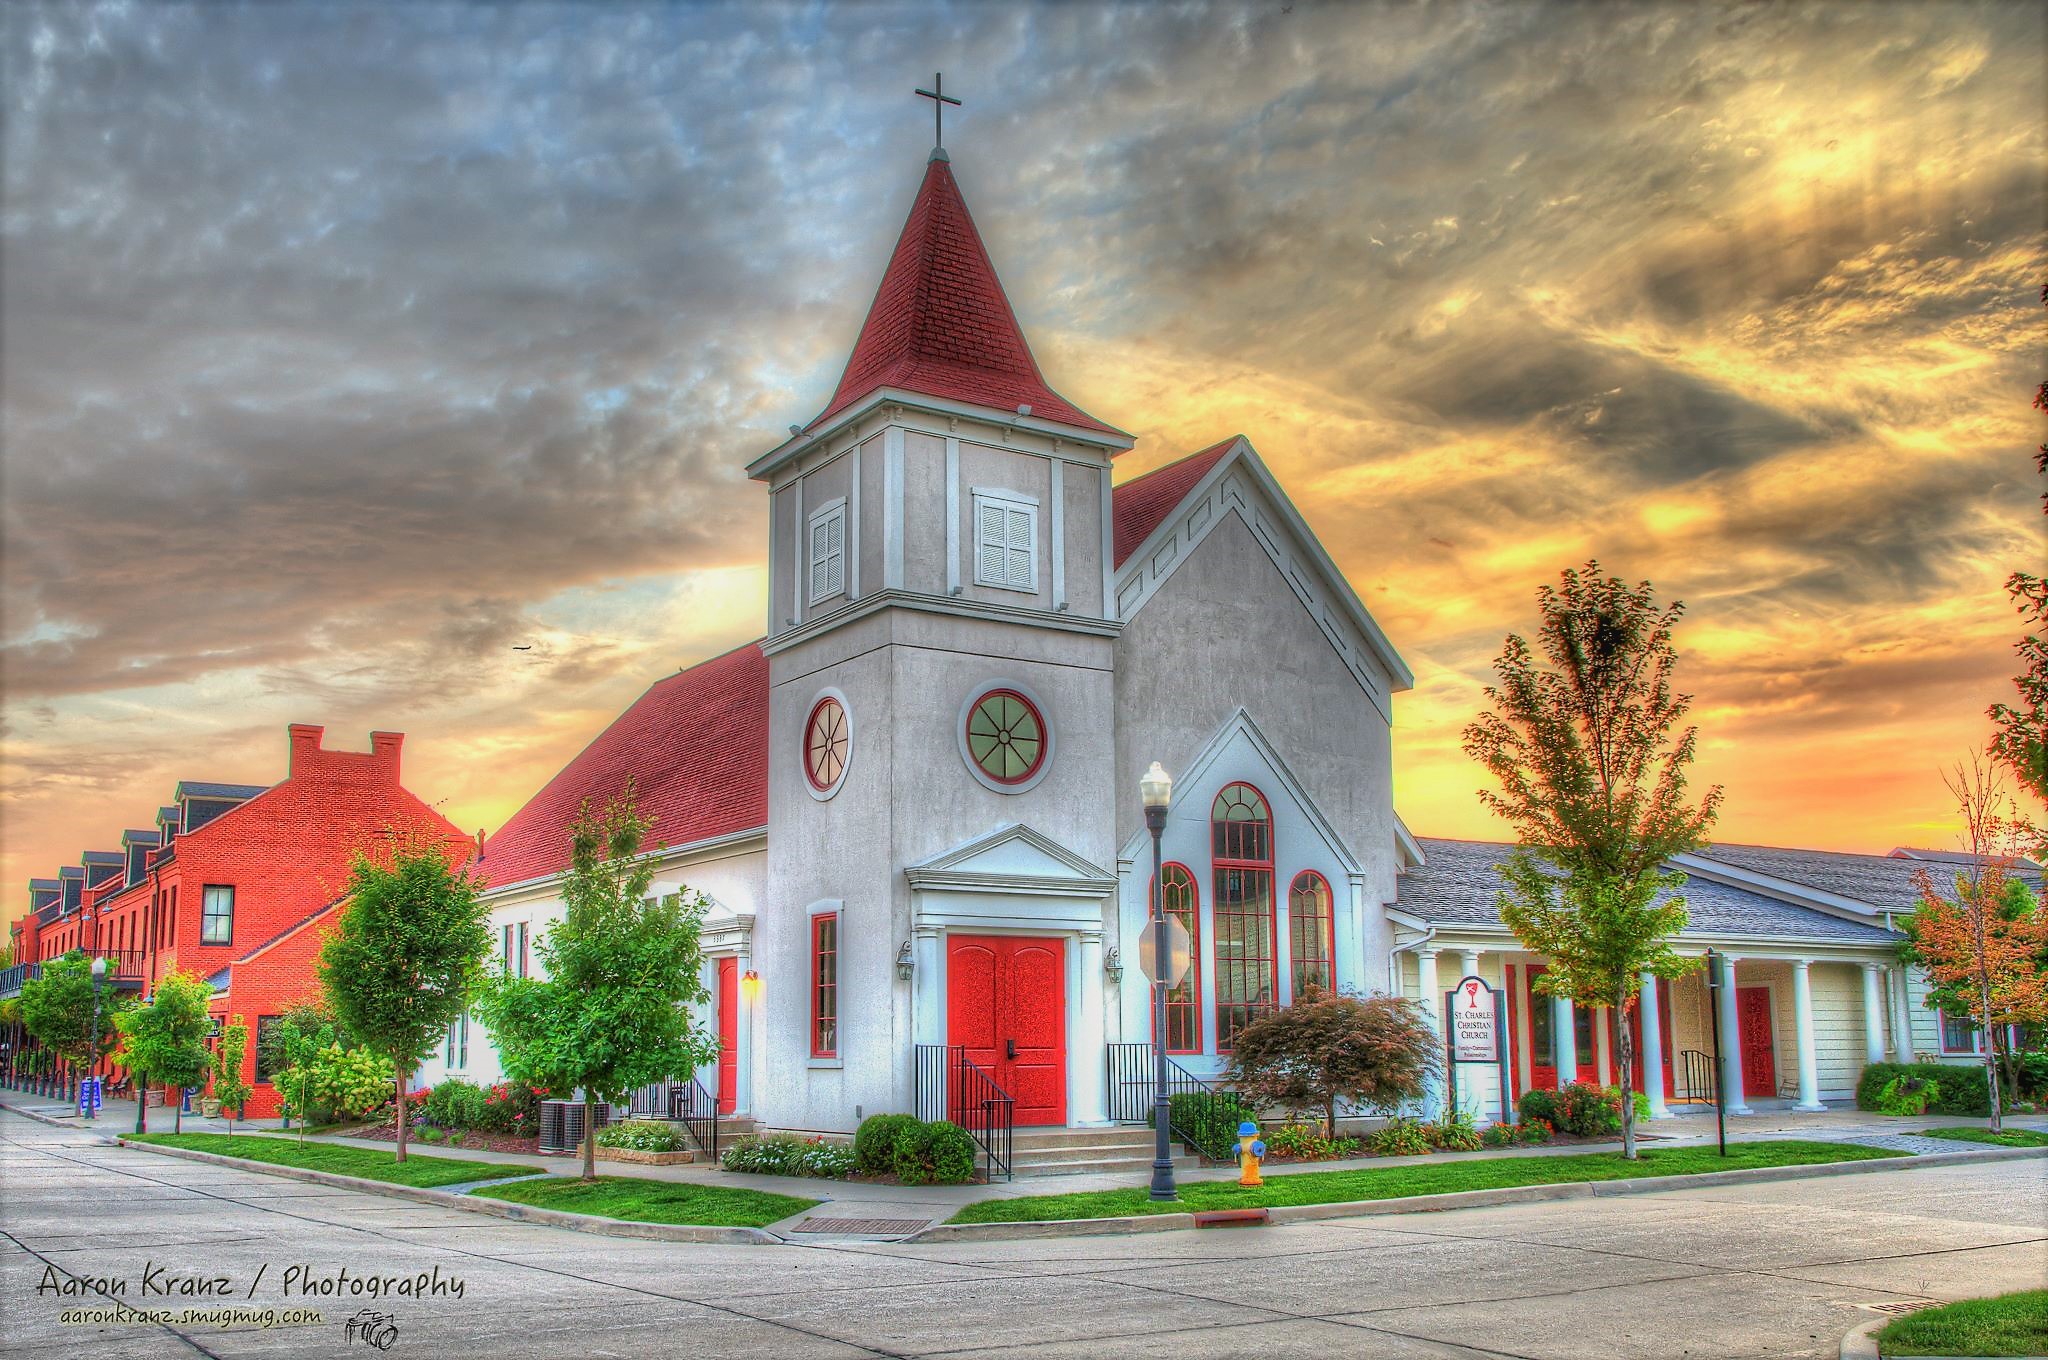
<point x="346" y="348"/>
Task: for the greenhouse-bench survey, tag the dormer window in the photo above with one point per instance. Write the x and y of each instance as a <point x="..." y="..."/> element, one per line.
<point x="828" y="551"/>
<point x="1006" y="540"/>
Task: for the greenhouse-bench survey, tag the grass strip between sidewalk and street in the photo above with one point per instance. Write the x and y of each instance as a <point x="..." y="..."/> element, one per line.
<point x="639" y="1200"/>
<point x="2003" y="1138"/>
<point x="422" y="1170"/>
<point x="1424" y="1178"/>
<point x="2010" y="1324"/>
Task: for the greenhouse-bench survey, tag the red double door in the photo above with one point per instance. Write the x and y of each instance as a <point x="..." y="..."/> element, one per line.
<point x="1006" y="1008"/>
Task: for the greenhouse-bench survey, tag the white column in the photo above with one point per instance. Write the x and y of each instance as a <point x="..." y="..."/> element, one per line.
<point x="1802" y="1023"/>
<point x="1567" y="1039"/>
<point x="927" y="988"/>
<point x="1902" y="1018"/>
<point x="743" y="1039"/>
<point x="1731" y="1043"/>
<point x="1433" y="1008"/>
<point x="1652" y="1056"/>
<point x="1091" y="1095"/>
<point x="1873" y="1016"/>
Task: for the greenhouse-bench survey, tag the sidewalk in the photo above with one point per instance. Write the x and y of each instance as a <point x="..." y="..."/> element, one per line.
<point x="873" y="1200"/>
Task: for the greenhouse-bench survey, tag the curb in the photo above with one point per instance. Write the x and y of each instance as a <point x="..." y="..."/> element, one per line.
<point x="495" y="1208"/>
<point x="79" y="1125"/>
<point x="1470" y="1199"/>
<point x="1861" y="1344"/>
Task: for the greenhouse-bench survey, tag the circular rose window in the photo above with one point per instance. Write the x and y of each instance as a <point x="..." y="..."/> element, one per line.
<point x="1006" y="737"/>
<point x="828" y="738"/>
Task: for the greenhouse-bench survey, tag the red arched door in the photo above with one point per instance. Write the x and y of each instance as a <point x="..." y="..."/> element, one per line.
<point x="728" y="1034"/>
<point x="1006" y="1007"/>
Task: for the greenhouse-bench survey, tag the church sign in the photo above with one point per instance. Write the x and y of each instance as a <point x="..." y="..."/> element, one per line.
<point x="1475" y="1023"/>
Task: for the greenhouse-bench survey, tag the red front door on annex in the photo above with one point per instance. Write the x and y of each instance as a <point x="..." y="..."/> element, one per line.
<point x="728" y="1035"/>
<point x="1759" y="1047"/>
<point x="1006" y="1008"/>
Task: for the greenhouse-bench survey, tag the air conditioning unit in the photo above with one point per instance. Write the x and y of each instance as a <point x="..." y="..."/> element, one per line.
<point x="561" y="1124"/>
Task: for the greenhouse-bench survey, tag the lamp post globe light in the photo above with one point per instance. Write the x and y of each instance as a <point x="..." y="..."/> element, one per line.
<point x="99" y="973"/>
<point x="1156" y="787"/>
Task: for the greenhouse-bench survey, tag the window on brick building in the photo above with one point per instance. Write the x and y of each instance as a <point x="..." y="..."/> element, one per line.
<point x="217" y="916"/>
<point x="266" y="1026"/>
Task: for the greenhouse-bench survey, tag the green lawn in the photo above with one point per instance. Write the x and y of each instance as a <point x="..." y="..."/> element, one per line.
<point x="2003" y="1138"/>
<point x="425" y="1169"/>
<point x="1428" y="1178"/>
<point x="651" y="1201"/>
<point x="2011" y="1324"/>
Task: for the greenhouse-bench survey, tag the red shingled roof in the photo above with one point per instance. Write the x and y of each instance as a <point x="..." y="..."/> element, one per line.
<point x="697" y="746"/>
<point x="941" y="324"/>
<point x="1139" y="505"/>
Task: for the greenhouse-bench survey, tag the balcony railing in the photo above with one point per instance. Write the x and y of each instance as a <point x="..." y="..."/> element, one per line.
<point x="11" y="979"/>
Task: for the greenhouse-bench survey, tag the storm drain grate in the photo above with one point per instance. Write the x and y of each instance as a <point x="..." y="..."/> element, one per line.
<point x="861" y="1225"/>
<point x="1910" y="1306"/>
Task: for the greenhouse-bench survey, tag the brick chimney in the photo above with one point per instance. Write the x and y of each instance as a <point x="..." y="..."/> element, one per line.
<point x="305" y="744"/>
<point x="384" y="750"/>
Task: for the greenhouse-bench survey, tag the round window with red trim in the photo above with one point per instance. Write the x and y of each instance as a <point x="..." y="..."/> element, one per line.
<point x="828" y="740"/>
<point x="1006" y="736"/>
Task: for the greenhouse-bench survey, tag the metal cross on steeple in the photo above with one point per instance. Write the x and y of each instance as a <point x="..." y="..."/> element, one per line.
<point x="937" y="94"/>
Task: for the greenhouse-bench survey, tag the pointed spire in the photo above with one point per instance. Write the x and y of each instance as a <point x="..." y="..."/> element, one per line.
<point x="941" y="325"/>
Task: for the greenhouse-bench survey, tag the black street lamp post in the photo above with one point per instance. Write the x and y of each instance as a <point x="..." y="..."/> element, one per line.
<point x="1157" y="789"/>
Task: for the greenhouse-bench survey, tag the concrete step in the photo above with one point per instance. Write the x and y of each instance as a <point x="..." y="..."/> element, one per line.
<point x="1085" y="1152"/>
<point x="1112" y="1135"/>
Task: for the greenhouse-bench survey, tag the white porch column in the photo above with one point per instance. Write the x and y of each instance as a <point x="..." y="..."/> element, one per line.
<point x="1433" y="1009"/>
<point x="1902" y="1018"/>
<point x="1731" y="1042"/>
<point x="927" y="988"/>
<point x="1873" y="1017"/>
<point x="1651" y="1058"/>
<point x="743" y="1037"/>
<point x="1091" y="1095"/>
<point x="1802" y="1023"/>
<point x="1566" y="1035"/>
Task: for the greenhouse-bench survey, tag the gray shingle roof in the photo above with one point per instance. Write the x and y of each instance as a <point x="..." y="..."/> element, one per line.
<point x="1880" y="881"/>
<point x="1459" y="886"/>
<point x="192" y="788"/>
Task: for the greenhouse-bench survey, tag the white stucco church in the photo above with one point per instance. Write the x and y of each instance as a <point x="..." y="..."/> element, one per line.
<point x="914" y="801"/>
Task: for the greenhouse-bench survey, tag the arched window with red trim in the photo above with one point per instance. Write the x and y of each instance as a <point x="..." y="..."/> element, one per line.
<point x="1184" y="1003"/>
<point x="1241" y="911"/>
<point x="1311" y="929"/>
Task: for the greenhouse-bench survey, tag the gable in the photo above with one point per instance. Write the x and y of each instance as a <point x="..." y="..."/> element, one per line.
<point x="1013" y="857"/>
<point x="1236" y="484"/>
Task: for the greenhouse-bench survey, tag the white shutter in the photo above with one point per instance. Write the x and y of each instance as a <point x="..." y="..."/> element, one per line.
<point x="835" y="552"/>
<point x="1021" y="573"/>
<point x="992" y="543"/>
<point x="818" y="540"/>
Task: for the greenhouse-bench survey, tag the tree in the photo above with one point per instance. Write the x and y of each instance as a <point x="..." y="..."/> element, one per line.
<point x="165" y="1041"/>
<point x="69" y="1014"/>
<point x="228" y="1087"/>
<point x="2020" y="741"/>
<point x="406" y="955"/>
<point x="1592" y="771"/>
<point x="1983" y="947"/>
<point x="621" y="969"/>
<point x="1376" y="1051"/>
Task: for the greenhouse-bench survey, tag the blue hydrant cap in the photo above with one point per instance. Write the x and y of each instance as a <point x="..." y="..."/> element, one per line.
<point x="1247" y="1129"/>
<point x="1259" y="1147"/>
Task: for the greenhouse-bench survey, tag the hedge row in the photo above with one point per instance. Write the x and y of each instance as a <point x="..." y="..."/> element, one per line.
<point x="1963" y="1087"/>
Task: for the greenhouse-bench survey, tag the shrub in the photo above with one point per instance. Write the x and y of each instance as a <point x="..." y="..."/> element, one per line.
<point x="2033" y="1075"/>
<point x="1964" y="1089"/>
<point x="937" y="1153"/>
<point x="431" y="1134"/>
<point x="1398" y="1138"/>
<point x="455" y="1104"/>
<point x="1538" y="1104"/>
<point x="510" y="1107"/>
<point x="1534" y="1131"/>
<point x="785" y="1154"/>
<point x="1587" y="1110"/>
<point x="874" y="1143"/>
<point x="1455" y="1133"/>
<point x="1908" y="1095"/>
<point x="339" y="1083"/>
<point x="1373" y="1051"/>
<point x="641" y="1135"/>
<point x="1498" y="1136"/>
<point x="1208" y="1120"/>
<point x="1304" y="1144"/>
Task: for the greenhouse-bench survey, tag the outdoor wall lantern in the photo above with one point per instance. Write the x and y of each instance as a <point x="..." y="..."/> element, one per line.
<point x="750" y="985"/>
<point x="1113" y="964"/>
<point x="904" y="966"/>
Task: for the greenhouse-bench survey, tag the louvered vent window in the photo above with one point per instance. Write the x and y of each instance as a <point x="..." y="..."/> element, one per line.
<point x="1005" y="542"/>
<point x="828" y="552"/>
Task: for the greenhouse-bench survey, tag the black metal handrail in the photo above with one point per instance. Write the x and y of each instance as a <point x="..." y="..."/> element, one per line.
<point x="1197" y="1112"/>
<point x="1698" y="1082"/>
<point x="698" y="1109"/>
<point x="950" y="1085"/>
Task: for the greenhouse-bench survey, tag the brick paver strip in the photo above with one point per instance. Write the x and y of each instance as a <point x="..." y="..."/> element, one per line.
<point x="861" y="1225"/>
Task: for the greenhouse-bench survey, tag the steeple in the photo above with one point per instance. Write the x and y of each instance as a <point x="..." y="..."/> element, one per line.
<point x="941" y="326"/>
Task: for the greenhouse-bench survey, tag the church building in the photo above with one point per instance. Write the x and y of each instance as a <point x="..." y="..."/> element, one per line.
<point x="914" y="801"/>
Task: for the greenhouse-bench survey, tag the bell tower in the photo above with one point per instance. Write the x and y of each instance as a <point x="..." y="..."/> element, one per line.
<point x="941" y="631"/>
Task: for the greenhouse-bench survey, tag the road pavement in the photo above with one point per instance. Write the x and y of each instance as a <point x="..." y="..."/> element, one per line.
<point x="1782" y="1269"/>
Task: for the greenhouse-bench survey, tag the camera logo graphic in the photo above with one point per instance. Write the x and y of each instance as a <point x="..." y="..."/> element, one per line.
<point x="373" y="1328"/>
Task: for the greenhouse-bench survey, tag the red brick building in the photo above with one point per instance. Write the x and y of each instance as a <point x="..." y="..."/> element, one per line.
<point x="231" y="883"/>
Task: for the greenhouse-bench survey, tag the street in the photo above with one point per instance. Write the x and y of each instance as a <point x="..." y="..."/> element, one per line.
<point x="1777" y="1269"/>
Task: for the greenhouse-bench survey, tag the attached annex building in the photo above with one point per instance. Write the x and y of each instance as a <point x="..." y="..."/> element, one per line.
<point x="914" y="800"/>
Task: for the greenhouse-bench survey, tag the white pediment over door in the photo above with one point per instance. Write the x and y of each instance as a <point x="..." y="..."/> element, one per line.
<point x="1011" y="878"/>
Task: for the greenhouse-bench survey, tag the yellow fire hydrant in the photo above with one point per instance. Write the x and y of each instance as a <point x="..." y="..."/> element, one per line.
<point x="1250" y="1152"/>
